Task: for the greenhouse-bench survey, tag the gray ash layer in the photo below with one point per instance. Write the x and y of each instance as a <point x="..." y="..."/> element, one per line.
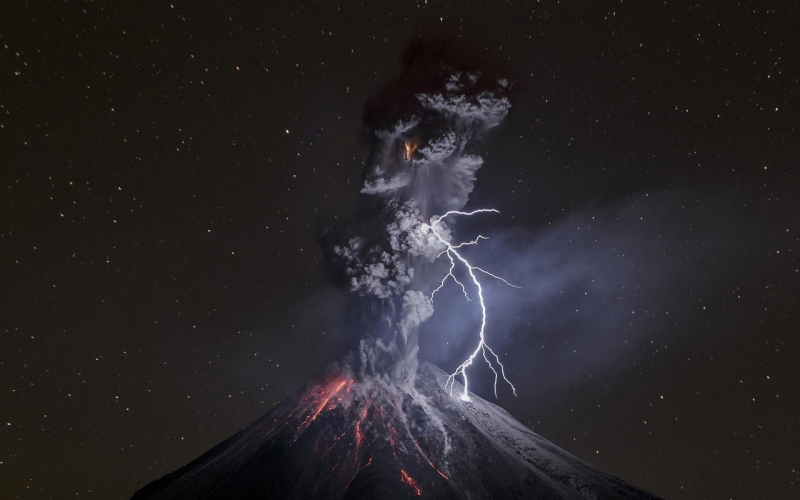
<point x="426" y="128"/>
<point x="358" y="439"/>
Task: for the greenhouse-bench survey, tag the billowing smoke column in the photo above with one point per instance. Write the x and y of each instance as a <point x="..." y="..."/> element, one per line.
<point x="372" y="428"/>
<point x="425" y="128"/>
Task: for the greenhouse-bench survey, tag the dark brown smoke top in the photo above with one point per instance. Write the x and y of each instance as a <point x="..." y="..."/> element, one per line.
<point x="429" y="60"/>
<point x="426" y="127"/>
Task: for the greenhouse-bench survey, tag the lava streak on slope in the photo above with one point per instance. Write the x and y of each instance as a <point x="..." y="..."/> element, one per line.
<point x="358" y="439"/>
<point x="335" y="389"/>
<point x="410" y="481"/>
<point x="428" y="460"/>
<point x="357" y="427"/>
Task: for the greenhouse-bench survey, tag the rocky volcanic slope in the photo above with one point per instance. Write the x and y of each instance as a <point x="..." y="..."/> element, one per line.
<point x="349" y="439"/>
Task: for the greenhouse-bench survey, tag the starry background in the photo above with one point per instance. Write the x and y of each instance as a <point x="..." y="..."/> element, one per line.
<point x="166" y="168"/>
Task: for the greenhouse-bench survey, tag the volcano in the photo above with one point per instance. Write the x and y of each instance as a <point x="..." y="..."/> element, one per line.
<point x="368" y="438"/>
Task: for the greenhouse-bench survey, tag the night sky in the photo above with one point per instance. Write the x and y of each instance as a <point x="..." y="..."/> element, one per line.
<point x="167" y="170"/>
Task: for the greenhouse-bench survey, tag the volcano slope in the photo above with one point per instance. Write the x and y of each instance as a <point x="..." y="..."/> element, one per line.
<point x="370" y="439"/>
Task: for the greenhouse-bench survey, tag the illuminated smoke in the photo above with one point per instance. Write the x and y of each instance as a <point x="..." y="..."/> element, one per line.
<point x="410" y="147"/>
<point x="438" y="139"/>
<point x="352" y="424"/>
<point x="482" y="347"/>
<point x="426" y="129"/>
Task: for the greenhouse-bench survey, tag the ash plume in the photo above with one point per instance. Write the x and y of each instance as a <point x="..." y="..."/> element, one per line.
<point x="425" y="128"/>
<point x="380" y="425"/>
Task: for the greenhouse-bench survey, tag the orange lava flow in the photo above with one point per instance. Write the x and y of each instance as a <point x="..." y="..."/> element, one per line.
<point x="428" y="459"/>
<point x="327" y="395"/>
<point x="393" y="440"/>
<point x="369" y="462"/>
<point x="336" y="393"/>
<point x="359" y="434"/>
<point x="410" y="481"/>
<point x="335" y="442"/>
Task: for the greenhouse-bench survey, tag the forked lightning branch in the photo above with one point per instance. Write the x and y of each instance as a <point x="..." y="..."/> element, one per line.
<point x="436" y="227"/>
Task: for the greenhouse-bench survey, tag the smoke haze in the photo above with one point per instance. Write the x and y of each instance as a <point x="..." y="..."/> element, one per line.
<point x="599" y="284"/>
<point x="425" y="128"/>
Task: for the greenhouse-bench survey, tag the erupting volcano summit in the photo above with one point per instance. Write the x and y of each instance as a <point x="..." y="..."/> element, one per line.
<point x="349" y="439"/>
<point x="380" y="426"/>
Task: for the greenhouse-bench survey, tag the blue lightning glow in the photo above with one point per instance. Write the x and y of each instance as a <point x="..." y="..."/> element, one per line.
<point x="451" y="251"/>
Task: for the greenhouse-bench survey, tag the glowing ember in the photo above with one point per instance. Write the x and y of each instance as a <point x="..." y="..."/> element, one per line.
<point x="410" y="147"/>
<point x="410" y="481"/>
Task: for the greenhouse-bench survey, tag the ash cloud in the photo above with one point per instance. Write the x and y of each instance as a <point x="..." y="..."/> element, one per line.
<point x="604" y="284"/>
<point x="425" y="128"/>
<point x="445" y="100"/>
<point x="448" y="123"/>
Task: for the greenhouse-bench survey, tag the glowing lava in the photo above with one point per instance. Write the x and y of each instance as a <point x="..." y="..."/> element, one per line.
<point x="322" y="400"/>
<point x="444" y="476"/>
<point x="436" y="226"/>
<point x="410" y="481"/>
<point x="350" y="422"/>
<point x="410" y="147"/>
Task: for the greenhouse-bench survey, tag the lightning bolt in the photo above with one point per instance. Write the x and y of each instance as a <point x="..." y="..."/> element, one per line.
<point x="483" y="348"/>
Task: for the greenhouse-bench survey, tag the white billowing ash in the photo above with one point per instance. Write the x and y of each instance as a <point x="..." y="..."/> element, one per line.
<point x="434" y="178"/>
